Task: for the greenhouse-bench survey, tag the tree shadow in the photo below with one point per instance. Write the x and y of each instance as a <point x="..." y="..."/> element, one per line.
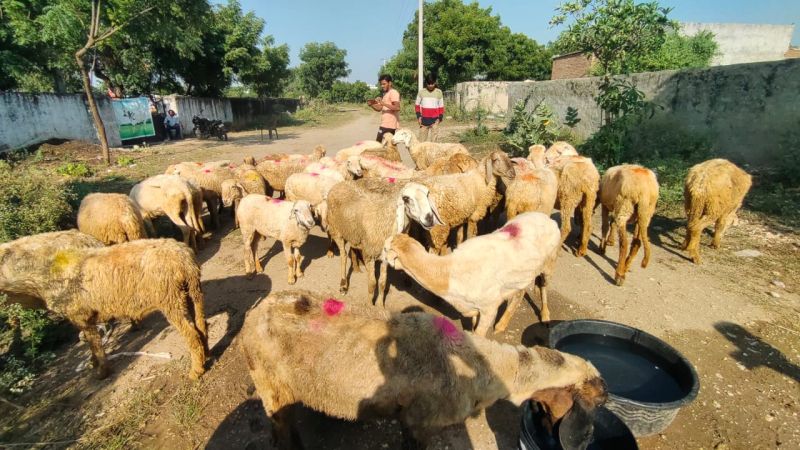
<point x="754" y="352"/>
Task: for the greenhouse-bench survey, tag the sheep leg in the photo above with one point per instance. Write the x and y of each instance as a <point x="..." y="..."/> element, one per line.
<point x="186" y="230"/>
<point x="149" y="228"/>
<point x="329" y="253"/>
<point x="694" y="229"/>
<point x="354" y="260"/>
<point x="720" y="227"/>
<point x="344" y="282"/>
<point x="213" y="210"/>
<point x="290" y="262"/>
<point x="604" y="231"/>
<point x="371" y="280"/>
<point x="250" y="247"/>
<point x="541" y="281"/>
<point x="196" y="298"/>
<point x="644" y="225"/>
<point x="567" y="210"/>
<point x="635" y="244"/>
<point x="382" y="282"/>
<point x="586" y="226"/>
<point x="486" y="322"/>
<point x="185" y="324"/>
<point x="513" y="303"/>
<point x="298" y="263"/>
<point x="95" y="342"/>
<point x="622" y="265"/>
<point x="472" y="229"/>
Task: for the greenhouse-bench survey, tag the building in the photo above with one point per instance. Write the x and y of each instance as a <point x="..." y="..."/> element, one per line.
<point x="571" y="65"/>
<point x="745" y="43"/>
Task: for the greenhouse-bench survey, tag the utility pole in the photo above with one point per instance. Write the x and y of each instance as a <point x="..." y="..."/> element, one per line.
<point x="419" y="47"/>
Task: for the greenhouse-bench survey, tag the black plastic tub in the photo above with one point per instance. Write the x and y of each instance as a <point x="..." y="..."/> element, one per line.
<point x="648" y="380"/>
<point x="610" y="433"/>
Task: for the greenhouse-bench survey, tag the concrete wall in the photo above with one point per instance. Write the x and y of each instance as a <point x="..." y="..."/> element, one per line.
<point x="492" y="96"/>
<point x="187" y="107"/>
<point x="236" y="112"/>
<point x="744" y="108"/>
<point x="27" y="119"/>
<point x="745" y="43"/>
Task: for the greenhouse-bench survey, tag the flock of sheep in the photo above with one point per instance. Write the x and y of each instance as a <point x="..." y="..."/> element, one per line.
<point x="301" y="347"/>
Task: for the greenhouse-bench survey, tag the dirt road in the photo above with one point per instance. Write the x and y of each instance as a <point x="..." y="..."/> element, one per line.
<point x="744" y="342"/>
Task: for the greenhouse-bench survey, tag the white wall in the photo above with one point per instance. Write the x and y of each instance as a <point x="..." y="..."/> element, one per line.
<point x="186" y="107"/>
<point x="27" y="119"/>
<point x="491" y="96"/>
<point x="745" y="43"/>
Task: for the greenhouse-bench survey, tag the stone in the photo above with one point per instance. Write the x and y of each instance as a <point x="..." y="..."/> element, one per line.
<point x="748" y="253"/>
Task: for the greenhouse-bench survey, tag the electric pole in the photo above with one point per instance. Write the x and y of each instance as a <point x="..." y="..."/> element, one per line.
<point x="419" y="47"/>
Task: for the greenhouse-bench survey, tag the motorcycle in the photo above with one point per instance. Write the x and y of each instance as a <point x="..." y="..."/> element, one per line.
<point x="205" y="128"/>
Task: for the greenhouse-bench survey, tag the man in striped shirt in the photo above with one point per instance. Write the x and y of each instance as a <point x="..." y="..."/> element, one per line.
<point x="430" y="109"/>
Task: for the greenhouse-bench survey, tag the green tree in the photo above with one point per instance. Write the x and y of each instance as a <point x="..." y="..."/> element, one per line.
<point x="681" y="52"/>
<point x="620" y="33"/>
<point x="465" y="41"/>
<point x="323" y="63"/>
<point x="356" y="92"/>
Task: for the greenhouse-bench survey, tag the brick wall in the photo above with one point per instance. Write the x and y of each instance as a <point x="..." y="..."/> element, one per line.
<point x="572" y="65"/>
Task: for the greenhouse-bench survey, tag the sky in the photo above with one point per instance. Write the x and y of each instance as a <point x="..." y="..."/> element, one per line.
<point x="372" y="31"/>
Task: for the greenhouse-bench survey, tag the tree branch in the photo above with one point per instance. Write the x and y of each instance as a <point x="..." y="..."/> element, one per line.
<point x="113" y="30"/>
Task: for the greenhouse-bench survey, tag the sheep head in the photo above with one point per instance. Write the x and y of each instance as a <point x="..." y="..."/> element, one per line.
<point x="536" y="155"/>
<point x="321" y="213"/>
<point x="498" y="164"/>
<point x="403" y="135"/>
<point x="319" y="152"/>
<point x="249" y="160"/>
<point x="301" y="211"/>
<point x="231" y="191"/>
<point x="353" y="165"/>
<point x="415" y="203"/>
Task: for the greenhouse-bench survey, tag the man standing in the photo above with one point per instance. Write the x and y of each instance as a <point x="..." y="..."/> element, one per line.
<point x="430" y="109"/>
<point x="388" y="106"/>
<point x="171" y="122"/>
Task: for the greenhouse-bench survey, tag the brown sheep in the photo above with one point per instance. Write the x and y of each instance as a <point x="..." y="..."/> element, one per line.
<point x="713" y="192"/>
<point x="627" y="192"/>
<point x="578" y="182"/>
<point x="458" y="163"/>
<point x="275" y="172"/>
<point x="352" y="363"/>
<point x="425" y="153"/>
<point x="90" y="285"/>
<point x="111" y="218"/>
<point x="558" y="149"/>
<point x="389" y="150"/>
<point x="533" y="190"/>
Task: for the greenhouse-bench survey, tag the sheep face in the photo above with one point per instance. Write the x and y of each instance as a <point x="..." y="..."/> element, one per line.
<point x="231" y="191"/>
<point x="498" y="164"/>
<point x="415" y="203"/>
<point x="403" y="136"/>
<point x="353" y="165"/>
<point x="301" y="211"/>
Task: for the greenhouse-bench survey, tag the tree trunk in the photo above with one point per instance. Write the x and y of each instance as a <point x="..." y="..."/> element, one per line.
<point x="98" y="121"/>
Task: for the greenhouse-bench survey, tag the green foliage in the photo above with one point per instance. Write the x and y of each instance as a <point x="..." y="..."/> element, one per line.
<point x="463" y="41"/>
<point x="74" y="170"/>
<point x="125" y="161"/>
<point x="527" y="128"/>
<point x="571" y="119"/>
<point x="344" y="92"/>
<point x="619" y="32"/>
<point x="680" y="52"/>
<point x="323" y="63"/>
<point x="30" y="202"/>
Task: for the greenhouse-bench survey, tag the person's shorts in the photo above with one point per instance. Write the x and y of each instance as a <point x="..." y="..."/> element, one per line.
<point x="382" y="131"/>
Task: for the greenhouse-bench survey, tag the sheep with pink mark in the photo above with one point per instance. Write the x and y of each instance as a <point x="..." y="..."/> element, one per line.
<point x="360" y="363"/>
<point x="358" y="148"/>
<point x="523" y="251"/>
<point x="260" y="216"/>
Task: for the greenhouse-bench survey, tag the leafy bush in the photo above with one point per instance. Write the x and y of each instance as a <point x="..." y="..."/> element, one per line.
<point x="75" y="170"/>
<point x="30" y="202"/>
<point x="344" y="92"/>
<point x="125" y="161"/>
<point x="527" y="128"/>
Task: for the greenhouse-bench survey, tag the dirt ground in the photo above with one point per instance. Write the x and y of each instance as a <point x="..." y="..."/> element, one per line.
<point x="736" y="318"/>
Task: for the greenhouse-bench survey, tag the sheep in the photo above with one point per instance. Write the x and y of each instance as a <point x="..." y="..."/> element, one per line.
<point x="534" y="190"/>
<point x="87" y="283"/>
<point x="358" y="148"/>
<point x="526" y="247"/>
<point x="458" y="163"/>
<point x="172" y="196"/>
<point x="425" y="153"/>
<point x="559" y="148"/>
<point x="356" y="364"/>
<point x="362" y="214"/>
<point x="276" y="172"/>
<point x="627" y="192"/>
<point x="111" y="218"/>
<point x="578" y="182"/>
<point x="464" y="198"/>
<point x="318" y="152"/>
<point x="348" y="169"/>
<point x="377" y="167"/>
<point x="713" y="192"/>
<point x="312" y="187"/>
<point x="209" y="177"/>
<point x="288" y="222"/>
<point x="389" y="150"/>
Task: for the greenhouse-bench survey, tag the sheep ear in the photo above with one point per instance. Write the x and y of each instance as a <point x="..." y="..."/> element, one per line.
<point x="487" y="169"/>
<point x="556" y="402"/>
<point x="400" y="215"/>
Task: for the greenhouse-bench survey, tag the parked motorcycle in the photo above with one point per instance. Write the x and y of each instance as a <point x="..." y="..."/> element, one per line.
<point x="205" y="128"/>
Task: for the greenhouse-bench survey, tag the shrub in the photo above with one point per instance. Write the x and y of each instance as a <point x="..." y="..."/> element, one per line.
<point x="125" y="161"/>
<point x="31" y="202"/>
<point x="527" y="128"/>
<point x="75" y="170"/>
<point x="344" y="92"/>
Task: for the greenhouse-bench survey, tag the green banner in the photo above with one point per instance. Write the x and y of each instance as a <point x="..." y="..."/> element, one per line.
<point x="133" y="117"/>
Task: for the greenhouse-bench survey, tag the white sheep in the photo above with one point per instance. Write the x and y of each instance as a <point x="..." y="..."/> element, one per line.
<point x="425" y="153"/>
<point x="356" y="363"/>
<point x="111" y="218"/>
<point x="558" y="149"/>
<point x="523" y="249"/>
<point x="174" y="197"/>
<point x="288" y="222"/>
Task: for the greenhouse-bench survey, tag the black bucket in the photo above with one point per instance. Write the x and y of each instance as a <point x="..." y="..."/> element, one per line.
<point x="610" y="433"/>
<point x="648" y="380"/>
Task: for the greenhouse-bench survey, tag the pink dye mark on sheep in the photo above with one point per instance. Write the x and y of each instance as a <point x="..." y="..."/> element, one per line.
<point x="332" y="307"/>
<point x="512" y="229"/>
<point x="314" y="174"/>
<point x="276" y="200"/>
<point x="206" y="170"/>
<point x="448" y="331"/>
<point x="391" y="179"/>
<point x="315" y="325"/>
